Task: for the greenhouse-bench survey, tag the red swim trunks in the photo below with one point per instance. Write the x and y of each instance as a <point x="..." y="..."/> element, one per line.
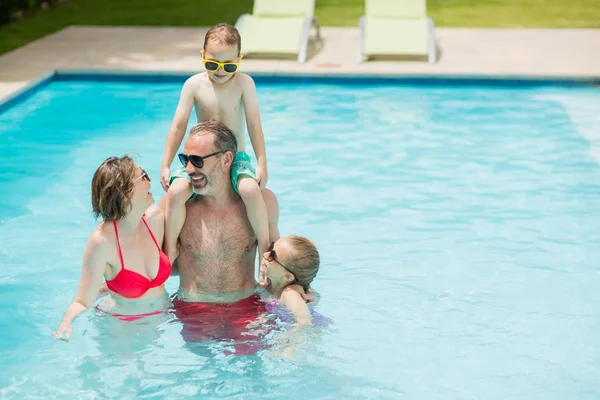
<point x="221" y="321"/>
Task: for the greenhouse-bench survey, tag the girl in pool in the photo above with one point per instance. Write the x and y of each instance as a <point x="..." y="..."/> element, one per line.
<point x="290" y="264"/>
<point x="125" y="248"/>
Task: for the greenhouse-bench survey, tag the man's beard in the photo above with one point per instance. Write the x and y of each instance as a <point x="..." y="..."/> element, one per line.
<point x="202" y="183"/>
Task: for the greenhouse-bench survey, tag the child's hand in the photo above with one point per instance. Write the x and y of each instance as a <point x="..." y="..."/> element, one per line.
<point x="261" y="177"/>
<point x="165" y="175"/>
<point x="311" y="297"/>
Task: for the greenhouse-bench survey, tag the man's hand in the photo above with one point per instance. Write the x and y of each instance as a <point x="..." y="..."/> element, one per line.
<point x="165" y="176"/>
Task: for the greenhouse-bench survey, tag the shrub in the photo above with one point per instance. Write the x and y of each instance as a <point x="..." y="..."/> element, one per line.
<point x="14" y="9"/>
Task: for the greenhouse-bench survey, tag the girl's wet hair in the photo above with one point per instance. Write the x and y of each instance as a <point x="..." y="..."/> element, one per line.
<point x="303" y="259"/>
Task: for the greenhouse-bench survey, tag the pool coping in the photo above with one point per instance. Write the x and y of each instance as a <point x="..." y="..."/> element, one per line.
<point x="122" y="75"/>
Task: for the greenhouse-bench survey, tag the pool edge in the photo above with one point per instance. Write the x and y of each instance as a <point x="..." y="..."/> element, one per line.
<point x="149" y="76"/>
<point x="19" y="95"/>
<point x="459" y="78"/>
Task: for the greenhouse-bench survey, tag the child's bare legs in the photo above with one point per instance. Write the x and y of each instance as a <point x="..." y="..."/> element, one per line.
<point x="179" y="192"/>
<point x="257" y="212"/>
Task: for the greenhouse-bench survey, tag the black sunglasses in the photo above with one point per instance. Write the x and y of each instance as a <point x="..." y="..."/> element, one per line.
<point x="272" y="256"/>
<point x="197" y="161"/>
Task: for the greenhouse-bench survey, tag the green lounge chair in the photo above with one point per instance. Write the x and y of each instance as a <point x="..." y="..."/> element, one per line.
<point x="278" y="27"/>
<point x="396" y="27"/>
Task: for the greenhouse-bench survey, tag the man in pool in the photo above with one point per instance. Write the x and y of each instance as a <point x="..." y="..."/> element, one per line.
<point x="216" y="253"/>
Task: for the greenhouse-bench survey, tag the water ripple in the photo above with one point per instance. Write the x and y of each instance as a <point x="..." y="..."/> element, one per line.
<point x="458" y="228"/>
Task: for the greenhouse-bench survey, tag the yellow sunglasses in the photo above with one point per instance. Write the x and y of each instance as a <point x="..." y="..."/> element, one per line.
<point x="212" y="65"/>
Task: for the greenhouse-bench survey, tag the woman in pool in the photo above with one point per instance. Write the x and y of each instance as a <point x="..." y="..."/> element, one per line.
<point x="125" y="248"/>
<point x="290" y="265"/>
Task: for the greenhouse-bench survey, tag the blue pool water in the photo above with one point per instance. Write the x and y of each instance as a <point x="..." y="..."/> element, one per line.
<point x="458" y="227"/>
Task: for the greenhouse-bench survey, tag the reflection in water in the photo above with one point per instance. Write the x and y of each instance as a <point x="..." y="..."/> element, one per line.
<point x="234" y="325"/>
<point x="144" y="357"/>
<point x="146" y="353"/>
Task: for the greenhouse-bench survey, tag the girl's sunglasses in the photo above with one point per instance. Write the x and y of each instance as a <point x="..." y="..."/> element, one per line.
<point x="197" y="161"/>
<point x="143" y="176"/>
<point x="272" y="256"/>
<point x="212" y="65"/>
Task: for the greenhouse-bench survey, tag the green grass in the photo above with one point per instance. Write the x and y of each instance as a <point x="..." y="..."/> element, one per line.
<point x="458" y="13"/>
<point x="481" y="13"/>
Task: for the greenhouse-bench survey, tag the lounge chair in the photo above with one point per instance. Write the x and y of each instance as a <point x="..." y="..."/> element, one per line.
<point x="396" y="27"/>
<point x="278" y="27"/>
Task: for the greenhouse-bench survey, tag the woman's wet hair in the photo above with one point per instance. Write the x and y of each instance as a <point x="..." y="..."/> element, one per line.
<point x="112" y="188"/>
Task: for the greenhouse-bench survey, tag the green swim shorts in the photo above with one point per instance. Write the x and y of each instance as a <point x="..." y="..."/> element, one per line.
<point x="180" y="173"/>
<point x="241" y="166"/>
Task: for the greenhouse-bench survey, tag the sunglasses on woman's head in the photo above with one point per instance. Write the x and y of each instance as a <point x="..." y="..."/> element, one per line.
<point x="144" y="175"/>
<point x="197" y="161"/>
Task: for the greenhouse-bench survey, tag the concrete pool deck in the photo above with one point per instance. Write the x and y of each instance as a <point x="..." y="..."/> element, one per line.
<point x="469" y="52"/>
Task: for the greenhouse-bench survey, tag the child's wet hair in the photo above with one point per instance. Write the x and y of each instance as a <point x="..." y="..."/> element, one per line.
<point x="303" y="260"/>
<point x="224" y="33"/>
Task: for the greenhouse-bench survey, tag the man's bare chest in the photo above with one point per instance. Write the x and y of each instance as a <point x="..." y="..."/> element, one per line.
<point x="222" y="233"/>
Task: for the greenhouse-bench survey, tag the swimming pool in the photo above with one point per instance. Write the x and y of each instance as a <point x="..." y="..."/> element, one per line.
<point x="458" y="227"/>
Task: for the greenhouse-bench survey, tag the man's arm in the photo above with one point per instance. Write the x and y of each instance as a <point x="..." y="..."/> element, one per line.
<point x="177" y="130"/>
<point x="170" y="249"/>
<point x="257" y="138"/>
<point x="155" y="218"/>
<point x="175" y="268"/>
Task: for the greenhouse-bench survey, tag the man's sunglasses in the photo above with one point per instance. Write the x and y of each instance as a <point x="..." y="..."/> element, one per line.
<point x="143" y="176"/>
<point x="213" y="65"/>
<point x="272" y="256"/>
<point x="197" y="161"/>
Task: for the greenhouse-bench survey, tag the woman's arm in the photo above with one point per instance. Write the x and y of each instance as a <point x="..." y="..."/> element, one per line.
<point x="93" y="266"/>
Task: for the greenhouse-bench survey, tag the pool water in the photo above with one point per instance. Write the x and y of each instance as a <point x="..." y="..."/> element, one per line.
<point x="458" y="228"/>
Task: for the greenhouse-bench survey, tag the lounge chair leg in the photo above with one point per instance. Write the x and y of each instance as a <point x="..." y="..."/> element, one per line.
<point x="432" y="48"/>
<point x="318" y="28"/>
<point x="304" y="40"/>
<point x="361" y="35"/>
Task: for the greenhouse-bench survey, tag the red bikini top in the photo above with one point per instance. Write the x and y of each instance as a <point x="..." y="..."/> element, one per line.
<point x="131" y="284"/>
